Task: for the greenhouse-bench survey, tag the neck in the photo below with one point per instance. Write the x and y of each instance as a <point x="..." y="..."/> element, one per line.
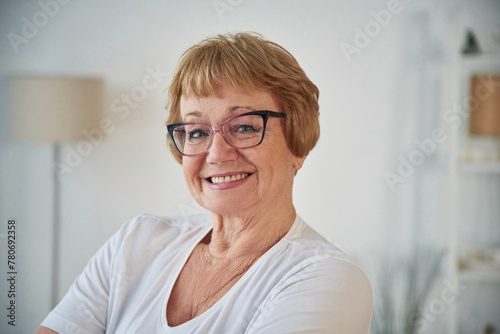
<point x="234" y="236"/>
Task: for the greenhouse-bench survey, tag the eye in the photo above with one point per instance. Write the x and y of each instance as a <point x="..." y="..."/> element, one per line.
<point x="244" y="128"/>
<point x="197" y="134"/>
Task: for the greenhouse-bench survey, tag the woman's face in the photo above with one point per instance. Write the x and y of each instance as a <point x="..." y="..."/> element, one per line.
<point x="264" y="174"/>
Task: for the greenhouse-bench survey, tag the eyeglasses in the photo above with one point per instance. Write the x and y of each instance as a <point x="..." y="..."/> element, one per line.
<point x="242" y="131"/>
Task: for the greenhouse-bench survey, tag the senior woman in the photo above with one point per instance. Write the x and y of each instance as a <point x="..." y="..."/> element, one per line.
<point x="243" y="118"/>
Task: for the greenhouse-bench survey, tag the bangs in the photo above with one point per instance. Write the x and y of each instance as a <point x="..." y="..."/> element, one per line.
<point x="208" y="68"/>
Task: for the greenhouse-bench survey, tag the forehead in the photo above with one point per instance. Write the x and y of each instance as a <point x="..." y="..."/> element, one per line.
<point x="227" y="102"/>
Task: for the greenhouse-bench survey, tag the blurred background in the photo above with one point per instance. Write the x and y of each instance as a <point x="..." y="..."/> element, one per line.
<point x="400" y="179"/>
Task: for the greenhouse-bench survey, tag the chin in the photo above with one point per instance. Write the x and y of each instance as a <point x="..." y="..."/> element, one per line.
<point x="225" y="207"/>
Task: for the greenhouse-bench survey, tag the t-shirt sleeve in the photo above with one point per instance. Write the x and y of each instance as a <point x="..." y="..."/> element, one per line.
<point x="84" y="308"/>
<point x="328" y="297"/>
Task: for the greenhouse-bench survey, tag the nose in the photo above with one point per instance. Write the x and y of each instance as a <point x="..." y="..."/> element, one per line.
<point x="220" y="151"/>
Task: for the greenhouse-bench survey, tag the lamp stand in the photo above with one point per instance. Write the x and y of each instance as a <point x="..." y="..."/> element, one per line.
<point x="56" y="225"/>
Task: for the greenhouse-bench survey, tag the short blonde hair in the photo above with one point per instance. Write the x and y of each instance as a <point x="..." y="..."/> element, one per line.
<point x="247" y="61"/>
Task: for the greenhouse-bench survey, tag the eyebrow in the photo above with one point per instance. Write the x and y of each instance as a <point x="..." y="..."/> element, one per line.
<point x="196" y="114"/>
<point x="233" y="109"/>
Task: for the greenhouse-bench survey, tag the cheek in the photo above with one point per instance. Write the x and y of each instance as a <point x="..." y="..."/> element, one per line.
<point x="276" y="164"/>
<point x="190" y="167"/>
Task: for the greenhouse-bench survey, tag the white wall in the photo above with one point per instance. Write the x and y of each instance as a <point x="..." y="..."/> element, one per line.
<point x="369" y="115"/>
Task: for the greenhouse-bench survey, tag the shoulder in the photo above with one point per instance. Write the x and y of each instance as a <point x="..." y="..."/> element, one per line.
<point x="150" y="230"/>
<point x="320" y="289"/>
<point x="303" y="239"/>
<point x="328" y="268"/>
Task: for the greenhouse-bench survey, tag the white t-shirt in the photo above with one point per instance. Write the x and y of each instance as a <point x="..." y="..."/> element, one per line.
<point x="303" y="284"/>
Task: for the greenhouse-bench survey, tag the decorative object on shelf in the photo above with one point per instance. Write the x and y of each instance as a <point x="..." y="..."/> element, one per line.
<point x="485" y="113"/>
<point x="474" y="258"/>
<point x="54" y="109"/>
<point x="483" y="142"/>
<point x="471" y="46"/>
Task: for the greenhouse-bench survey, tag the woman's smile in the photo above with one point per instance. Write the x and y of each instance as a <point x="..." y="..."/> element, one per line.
<point x="226" y="181"/>
<point x="228" y="178"/>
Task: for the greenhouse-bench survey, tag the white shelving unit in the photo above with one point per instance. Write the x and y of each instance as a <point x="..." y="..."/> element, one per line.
<point x="463" y="172"/>
<point x="479" y="167"/>
<point x="480" y="276"/>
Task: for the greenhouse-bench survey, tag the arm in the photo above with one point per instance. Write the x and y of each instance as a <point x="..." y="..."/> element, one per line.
<point x="84" y="307"/>
<point x="327" y="297"/>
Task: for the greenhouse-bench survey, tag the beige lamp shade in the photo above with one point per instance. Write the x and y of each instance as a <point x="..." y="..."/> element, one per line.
<point x="54" y="109"/>
<point x="485" y="113"/>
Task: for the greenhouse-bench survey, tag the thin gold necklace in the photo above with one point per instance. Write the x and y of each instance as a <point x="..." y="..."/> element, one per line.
<point x="239" y="273"/>
<point x="195" y="309"/>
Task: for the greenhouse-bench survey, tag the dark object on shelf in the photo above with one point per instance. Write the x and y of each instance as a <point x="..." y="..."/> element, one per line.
<point x="489" y="329"/>
<point x="471" y="45"/>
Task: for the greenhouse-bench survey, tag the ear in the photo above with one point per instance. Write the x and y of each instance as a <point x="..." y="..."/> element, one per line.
<point x="298" y="162"/>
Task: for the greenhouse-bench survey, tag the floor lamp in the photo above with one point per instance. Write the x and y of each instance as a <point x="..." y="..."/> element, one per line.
<point x="54" y="110"/>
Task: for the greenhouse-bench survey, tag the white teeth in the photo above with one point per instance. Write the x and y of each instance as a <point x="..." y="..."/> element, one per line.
<point x="221" y="179"/>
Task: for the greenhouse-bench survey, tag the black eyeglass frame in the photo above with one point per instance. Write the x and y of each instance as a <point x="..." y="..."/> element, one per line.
<point x="265" y="114"/>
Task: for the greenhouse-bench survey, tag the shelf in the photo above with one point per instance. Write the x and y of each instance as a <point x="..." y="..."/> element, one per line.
<point x="481" y="59"/>
<point x="479" y="166"/>
<point x="479" y="276"/>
